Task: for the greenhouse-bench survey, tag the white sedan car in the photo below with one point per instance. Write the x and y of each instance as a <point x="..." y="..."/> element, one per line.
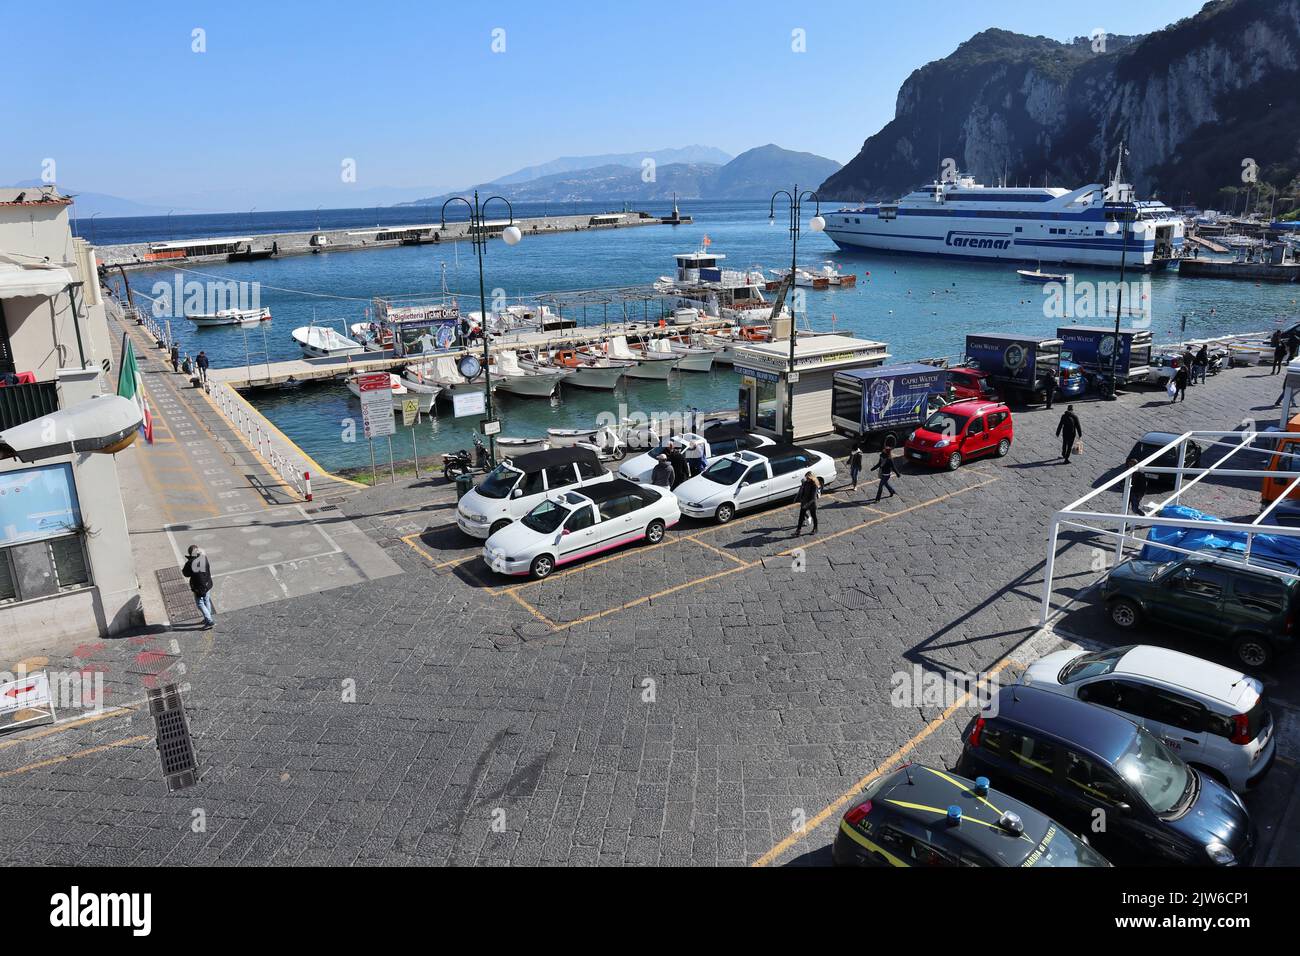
<point x="722" y="439"/>
<point x="748" y="479"/>
<point x="1213" y="717"/>
<point x="577" y="524"/>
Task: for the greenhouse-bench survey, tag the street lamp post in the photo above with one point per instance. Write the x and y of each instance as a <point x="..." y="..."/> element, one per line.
<point x="795" y="200"/>
<point x="1119" y="306"/>
<point x="478" y="236"/>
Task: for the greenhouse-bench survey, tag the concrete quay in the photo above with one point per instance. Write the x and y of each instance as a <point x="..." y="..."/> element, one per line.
<point x="137" y="255"/>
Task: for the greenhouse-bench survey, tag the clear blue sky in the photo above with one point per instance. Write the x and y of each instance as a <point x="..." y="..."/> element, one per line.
<point x="413" y="92"/>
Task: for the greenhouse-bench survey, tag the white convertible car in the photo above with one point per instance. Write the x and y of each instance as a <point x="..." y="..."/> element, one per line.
<point x="748" y="479"/>
<point x="721" y="439"/>
<point x="577" y="524"/>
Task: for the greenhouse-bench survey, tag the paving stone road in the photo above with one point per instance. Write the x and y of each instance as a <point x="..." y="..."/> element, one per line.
<point x="692" y="703"/>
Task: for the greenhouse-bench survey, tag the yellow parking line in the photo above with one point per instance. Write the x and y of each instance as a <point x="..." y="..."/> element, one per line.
<point x="70" y="725"/>
<point x="648" y="597"/>
<point x="883" y="768"/>
<point x="126" y="741"/>
<point x="533" y="611"/>
<point x="705" y="544"/>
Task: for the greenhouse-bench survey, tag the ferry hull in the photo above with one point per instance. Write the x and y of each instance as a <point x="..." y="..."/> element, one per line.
<point x="1140" y="255"/>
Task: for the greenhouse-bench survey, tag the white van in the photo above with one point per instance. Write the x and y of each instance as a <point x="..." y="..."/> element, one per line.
<point x="517" y="485"/>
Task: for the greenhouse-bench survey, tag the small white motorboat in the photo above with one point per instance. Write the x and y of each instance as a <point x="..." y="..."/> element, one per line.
<point x="693" y="358"/>
<point x="443" y="373"/>
<point x="651" y="365"/>
<point x="245" y="317"/>
<point x="320" y="341"/>
<point x="568" y="437"/>
<point x="832" y="274"/>
<point x="1038" y="275"/>
<point x="686" y="316"/>
<point x="371" y="336"/>
<point x="401" y="393"/>
<point x="589" y="371"/>
<point x="534" y="382"/>
<point x="509" y="447"/>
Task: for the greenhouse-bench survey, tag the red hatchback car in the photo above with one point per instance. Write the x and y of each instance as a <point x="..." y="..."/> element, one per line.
<point x="969" y="382"/>
<point x="960" y="431"/>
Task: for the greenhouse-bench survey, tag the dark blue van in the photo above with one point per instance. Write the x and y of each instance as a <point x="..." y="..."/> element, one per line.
<point x="1102" y="775"/>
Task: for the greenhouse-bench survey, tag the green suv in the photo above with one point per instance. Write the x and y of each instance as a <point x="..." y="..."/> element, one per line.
<point x="1253" y="610"/>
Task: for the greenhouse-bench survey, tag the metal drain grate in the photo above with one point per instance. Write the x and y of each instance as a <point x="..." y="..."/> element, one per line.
<point x="175" y="747"/>
<point x="177" y="597"/>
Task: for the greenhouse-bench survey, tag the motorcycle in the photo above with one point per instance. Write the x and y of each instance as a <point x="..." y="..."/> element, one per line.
<point x="457" y="463"/>
<point x="607" y="445"/>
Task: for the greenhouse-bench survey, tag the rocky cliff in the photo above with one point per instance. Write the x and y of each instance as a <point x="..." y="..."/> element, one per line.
<point x="1193" y="103"/>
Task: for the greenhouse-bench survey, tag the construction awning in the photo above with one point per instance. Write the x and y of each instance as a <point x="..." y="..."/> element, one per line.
<point x="105" y="423"/>
<point x="19" y="281"/>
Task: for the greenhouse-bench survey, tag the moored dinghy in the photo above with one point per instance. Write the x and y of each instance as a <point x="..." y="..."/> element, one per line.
<point x="534" y="382"/>
<point x="650" y="365"/>
<point x="693" y="358"/>
<point x="320" y="341"/>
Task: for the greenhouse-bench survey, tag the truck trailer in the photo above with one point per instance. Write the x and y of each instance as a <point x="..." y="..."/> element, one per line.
<point x="1016" y="364"/>
<point x="889" y="400"/>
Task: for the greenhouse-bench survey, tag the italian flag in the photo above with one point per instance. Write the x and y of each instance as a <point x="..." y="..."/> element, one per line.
<point x="131" y="385"/>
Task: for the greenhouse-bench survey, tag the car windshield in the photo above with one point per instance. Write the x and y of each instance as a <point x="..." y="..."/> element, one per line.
<point x="499" y="482"/>
<point x="546" y="517"/>
<point x="1092" y="665"/>
<point x="1157" y="774"/>
<point x="725" y="471"/>
<point x="1060" y="847"/>
<point x="946" y="423"/>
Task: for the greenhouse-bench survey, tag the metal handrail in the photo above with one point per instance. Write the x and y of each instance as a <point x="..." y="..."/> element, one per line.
<point x="288" y="469"/>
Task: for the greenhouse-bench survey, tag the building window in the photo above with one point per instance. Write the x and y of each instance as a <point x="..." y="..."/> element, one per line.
<point x="69" y="558"/>
<point x="43" y="569"/>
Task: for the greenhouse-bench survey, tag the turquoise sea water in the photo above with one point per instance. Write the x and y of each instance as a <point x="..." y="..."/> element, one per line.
<point x="920" y="307"/>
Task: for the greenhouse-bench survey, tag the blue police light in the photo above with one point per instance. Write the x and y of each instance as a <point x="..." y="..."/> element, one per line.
<point x="954" y="815"/>
<point x="982" y="786"/>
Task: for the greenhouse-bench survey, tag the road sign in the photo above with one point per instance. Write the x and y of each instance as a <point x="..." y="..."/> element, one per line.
<point x="468" y="403"/>
<point x="30" y="695"/>
<point x="376" y="404"/>
<point x="410" y="411"/>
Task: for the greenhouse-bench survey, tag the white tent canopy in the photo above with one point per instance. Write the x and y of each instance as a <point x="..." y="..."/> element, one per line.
<point x="21" y="281"/>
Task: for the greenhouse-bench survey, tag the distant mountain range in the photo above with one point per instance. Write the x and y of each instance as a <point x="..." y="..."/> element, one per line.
<point x="1199" y="105"/>
<point x="754" y="174"/>
<point x="567" y="164"/>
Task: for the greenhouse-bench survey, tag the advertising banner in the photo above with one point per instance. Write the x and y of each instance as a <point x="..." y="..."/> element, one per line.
<point x="37" y="503"/>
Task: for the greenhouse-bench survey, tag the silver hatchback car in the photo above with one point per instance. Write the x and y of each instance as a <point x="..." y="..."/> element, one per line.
<point x="1213" y="717"/>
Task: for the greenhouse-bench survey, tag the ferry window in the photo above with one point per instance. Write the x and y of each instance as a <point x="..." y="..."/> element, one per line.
<point x="1019" y="229"/>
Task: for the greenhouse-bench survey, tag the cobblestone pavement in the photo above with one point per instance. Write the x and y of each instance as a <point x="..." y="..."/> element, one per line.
<point x="691" y="703"/>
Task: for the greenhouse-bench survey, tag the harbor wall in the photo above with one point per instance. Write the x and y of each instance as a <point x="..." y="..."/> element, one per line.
<point x="1264" y="271"/>
<point x="133" y="255"/>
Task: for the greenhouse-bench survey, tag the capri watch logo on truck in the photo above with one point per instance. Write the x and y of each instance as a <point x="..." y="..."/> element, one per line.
<point x="1014" y="357"/>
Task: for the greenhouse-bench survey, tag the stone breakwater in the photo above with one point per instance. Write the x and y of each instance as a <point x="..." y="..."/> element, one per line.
<point x="140" y="254"/>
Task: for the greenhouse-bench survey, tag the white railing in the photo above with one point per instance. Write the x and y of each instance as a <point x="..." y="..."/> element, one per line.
<point x="255" y="429"/>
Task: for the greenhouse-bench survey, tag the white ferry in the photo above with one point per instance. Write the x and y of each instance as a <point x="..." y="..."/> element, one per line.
<point x="965" y="220"/>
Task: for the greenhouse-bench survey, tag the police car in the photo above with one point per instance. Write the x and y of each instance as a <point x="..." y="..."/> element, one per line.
<point x="918" y="816"/>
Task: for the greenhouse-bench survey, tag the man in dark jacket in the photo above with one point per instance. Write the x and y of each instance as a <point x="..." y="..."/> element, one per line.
<point x="1050" y="383"/>
<point x="176" y="358"/>
<point x="1068" y="428"/>
<point x="1279" y="358"/>
<point x="202" y="363"/>
<point x="1137" y="488"/>
<point x="663" y="473"/>
<point x="1180" y="383"/>
<point x="809" y="489"/>
<point x="678" y="461"/>
<point x="200" y="575"/>
<point x="885" y="465"/>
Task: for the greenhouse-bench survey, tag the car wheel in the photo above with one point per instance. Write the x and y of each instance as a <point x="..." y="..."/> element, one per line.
<point x="497" y="526"/>
<point x="954" y="461"/>
<point x="655" y="532"/>
<point x="1124" y="613"/>
<point x="1253" y="650"/>
<point x="725" y="513"/>
<point x="1004" y="446"/>
<point x="541" y="567"/>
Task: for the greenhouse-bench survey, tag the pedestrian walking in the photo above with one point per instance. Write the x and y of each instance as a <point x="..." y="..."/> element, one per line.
<point x="202" y="363"/>
<point x="1137" y="488"/>
<point x="678" y="461"/>
<point x="663" y="473"/>
<point x="1069" y="428"/>
<point x="1189" y="363"/>
<point x="855" y="468"/>
<point x="1279" y="358"/>
<point x="1180" y="384"/>
<point x="885" y="465"/>
<point x="809" y="490"/>
<point x="200" y="574"/>
<point x="176" y="358"/>
<point x="1050" y="382"/>
<point x="1202" y="362"/>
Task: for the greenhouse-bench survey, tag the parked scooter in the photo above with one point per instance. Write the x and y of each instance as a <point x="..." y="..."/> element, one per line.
<point x="607" y="445"/>
<point x="461" y="462"/>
